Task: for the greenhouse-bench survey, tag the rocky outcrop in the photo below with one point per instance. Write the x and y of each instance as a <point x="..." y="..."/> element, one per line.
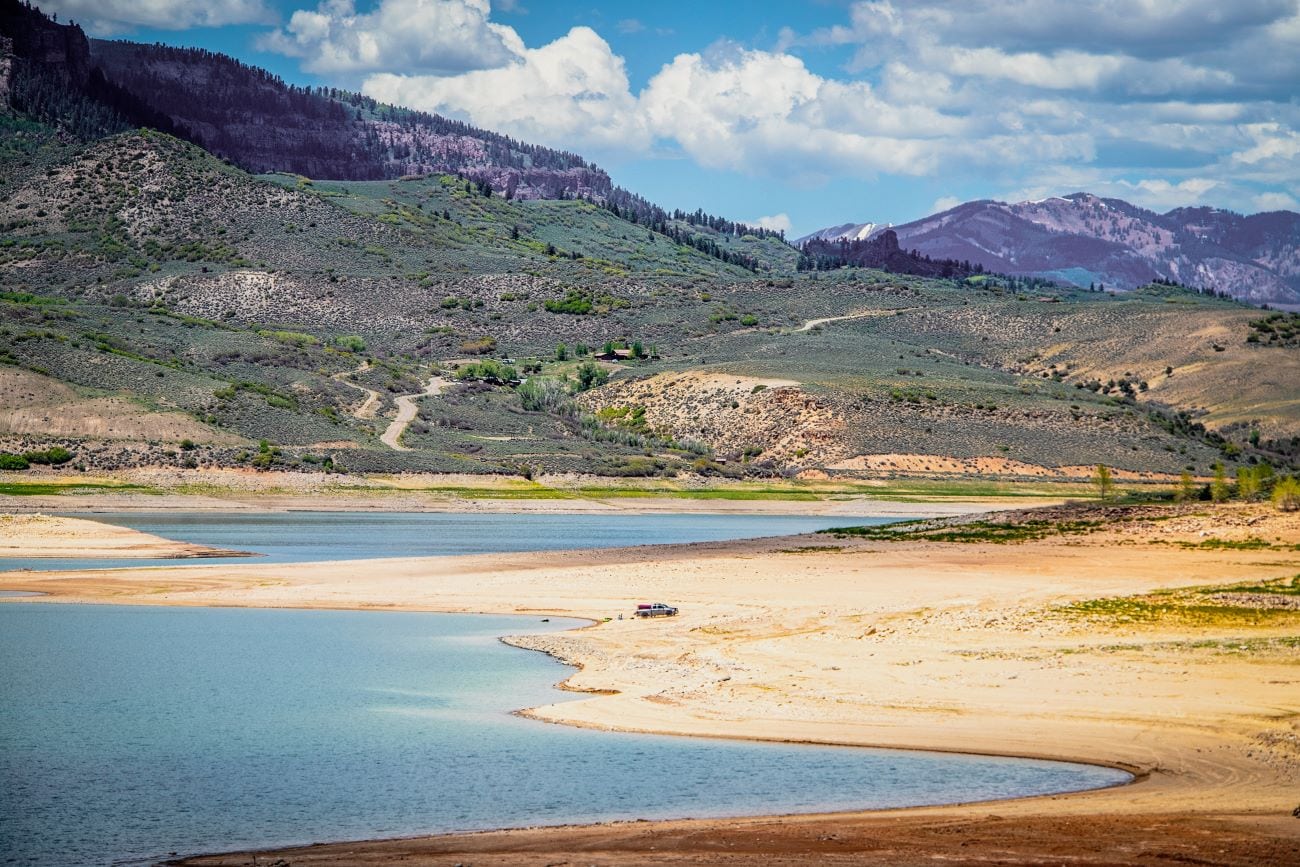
<point x="57" y="48"/>
<point x="739" y="417"/>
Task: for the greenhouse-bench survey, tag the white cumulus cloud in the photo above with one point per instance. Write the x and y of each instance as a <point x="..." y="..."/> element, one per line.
<point x="1162" y="101"/>
<point x="569" y="93"/>
<point x="1275" y="202"/>
<point x="440" y="36"/>
<point x="1272" y="143"/>
<point x="776" y="222"/>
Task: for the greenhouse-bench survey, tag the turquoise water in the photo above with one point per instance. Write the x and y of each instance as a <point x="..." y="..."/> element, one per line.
<point x="288" y="537"/>
<point x="129" y="733"/>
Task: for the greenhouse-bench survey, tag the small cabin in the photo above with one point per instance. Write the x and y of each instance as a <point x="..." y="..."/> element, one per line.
<point x="614" y="355"/>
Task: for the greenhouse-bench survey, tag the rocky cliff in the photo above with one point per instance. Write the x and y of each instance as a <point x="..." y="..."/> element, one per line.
<point x="91" y="88"/>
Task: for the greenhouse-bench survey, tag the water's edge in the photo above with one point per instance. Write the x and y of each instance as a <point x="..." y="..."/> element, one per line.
<point x="1135" y="774"/>
<point x="521" y="641"/>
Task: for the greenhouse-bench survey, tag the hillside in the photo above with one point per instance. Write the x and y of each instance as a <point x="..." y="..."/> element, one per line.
<point x="53" y="74"/>
<point x="163" y="306"/>
<point x="1086" y="240"/>
<point x="256" y="120"/>
<point x="274" y="322"/>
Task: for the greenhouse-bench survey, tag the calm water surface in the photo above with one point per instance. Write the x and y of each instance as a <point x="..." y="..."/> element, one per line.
<point x="289" y="537"/>
<point x="128" y="733"/>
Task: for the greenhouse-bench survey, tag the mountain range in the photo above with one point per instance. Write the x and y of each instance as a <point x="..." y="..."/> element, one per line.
<point x="1084" y="240"/>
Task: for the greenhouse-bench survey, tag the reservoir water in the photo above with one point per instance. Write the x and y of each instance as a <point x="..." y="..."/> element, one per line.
<point x="129" y="733"/>
<point x="288" y="537"/>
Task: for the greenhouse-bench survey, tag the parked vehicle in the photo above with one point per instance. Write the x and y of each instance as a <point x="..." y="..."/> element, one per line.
<point x="657" y="609"/>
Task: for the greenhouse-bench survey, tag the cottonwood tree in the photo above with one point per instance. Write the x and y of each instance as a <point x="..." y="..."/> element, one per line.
<point x="1286" y="495"/>
<point x="1219" y="487"/>
<point x="1102" y="479"/>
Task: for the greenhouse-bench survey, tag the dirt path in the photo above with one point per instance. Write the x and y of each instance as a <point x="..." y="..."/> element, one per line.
<point x="370" y="405"/>
<point x="406" y="411"/>
<point x="863" y="314"/>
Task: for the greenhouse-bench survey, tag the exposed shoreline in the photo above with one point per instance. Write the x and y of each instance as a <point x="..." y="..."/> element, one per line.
<point x="38" y="536"/>
<point x="941" y="647"/>
<point x="849" y="509"/>
<point x="212" y="490"/>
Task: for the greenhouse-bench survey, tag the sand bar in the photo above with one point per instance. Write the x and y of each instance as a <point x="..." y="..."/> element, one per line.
<point x="969" y="647"/>
<point x="37" y="535"/>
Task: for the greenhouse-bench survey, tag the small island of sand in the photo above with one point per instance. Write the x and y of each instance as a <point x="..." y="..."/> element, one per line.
<point x="48" y="536"/>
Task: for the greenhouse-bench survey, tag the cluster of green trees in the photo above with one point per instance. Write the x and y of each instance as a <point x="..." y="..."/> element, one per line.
<point x="553" y="394"/>
<point x="1253" y="484"/>
<point x="636" y="209"/>
<point x="639" y="350"/>
<point x="881" y="251"/>
<point x="574" y="303"/>
<point x="488" y="370"/>
<point x="53" y="456"/>
<point x="350" y="343"/>
<point x="591" y="375"/>
<point x="636" y="347"/>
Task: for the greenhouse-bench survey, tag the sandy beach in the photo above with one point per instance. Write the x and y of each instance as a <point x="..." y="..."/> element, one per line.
<point x="37" y="535"/>
<point x="968" y="646"/>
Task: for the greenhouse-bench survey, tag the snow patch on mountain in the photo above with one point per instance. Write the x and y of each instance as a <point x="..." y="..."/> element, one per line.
<point x="847" y="232"/>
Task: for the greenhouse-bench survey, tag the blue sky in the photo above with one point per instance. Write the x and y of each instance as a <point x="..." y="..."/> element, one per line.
<point x="815" y="113"/>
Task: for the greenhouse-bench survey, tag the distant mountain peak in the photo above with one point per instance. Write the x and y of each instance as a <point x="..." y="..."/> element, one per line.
<point x="846" y="232"/>
<point x="1084" y="239"/>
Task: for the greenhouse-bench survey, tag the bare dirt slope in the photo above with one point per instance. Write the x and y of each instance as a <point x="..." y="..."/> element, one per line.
<point x="34" y="404"/>
<point x="732" y="413"/>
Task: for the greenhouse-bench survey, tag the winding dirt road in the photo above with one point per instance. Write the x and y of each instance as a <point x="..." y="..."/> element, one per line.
<point x="406" y="412"/>
<point x="864" y="314"/>
<point x="370" y="405"/>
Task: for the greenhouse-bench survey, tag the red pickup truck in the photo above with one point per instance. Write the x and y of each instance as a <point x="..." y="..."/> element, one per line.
<point x="657" y="609"/>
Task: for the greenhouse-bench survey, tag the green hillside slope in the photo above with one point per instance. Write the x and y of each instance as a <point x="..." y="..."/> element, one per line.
<point x="275" y="321"/>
